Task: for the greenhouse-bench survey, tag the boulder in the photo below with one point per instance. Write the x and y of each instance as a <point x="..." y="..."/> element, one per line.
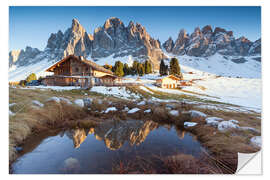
<point x="110" y="109"/>
<point x="226" y="125"/>
<point x="174" y="113"/>
<point x="190" y="124"/>
<point x="67" y="101"/>
<point x="54" y="99"/>
<point x="142" y="103"/>
<point x="213" y="121"/>
<point x="196" y="114"/>
<point x="79" y="102"/>
<point x="256" y="141"/>
<point x="148" y="111"/>
<point x="133" y="110"/>
<point x="37" y="103"/>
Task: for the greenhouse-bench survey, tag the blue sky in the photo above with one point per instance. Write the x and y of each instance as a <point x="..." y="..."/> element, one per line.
<point x="32" y="26"/>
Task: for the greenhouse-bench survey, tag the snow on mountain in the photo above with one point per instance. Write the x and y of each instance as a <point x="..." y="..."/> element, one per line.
<point x="21" y="72"/>
<point x="230" y="66"/>
<point x="216" y="52"/>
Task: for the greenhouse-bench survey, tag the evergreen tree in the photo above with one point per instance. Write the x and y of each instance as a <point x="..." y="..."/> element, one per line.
<point x="135" y="67"/>
<point x="118" y="67"/>
<point x="140" y="69"/>
<point x="126" y="69"/>
<point x="174" y="67"/>
<point x="163" y="68"/>
<point x="31" y="77"/>
<point x="148" y="67"/>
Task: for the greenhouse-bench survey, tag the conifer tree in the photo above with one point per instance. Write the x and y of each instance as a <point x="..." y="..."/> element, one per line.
<point x="118" y="67"/>
<point x="140" y="69"/>
<point x="126" y="69"/>
<point x="162" y="68"/>
<point x="175" y="68"/>
<point x="148" y="67"/>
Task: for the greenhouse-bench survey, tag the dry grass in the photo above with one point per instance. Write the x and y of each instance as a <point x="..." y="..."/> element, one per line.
<point x="175" y="164"/>
<point x="223" y="146"/>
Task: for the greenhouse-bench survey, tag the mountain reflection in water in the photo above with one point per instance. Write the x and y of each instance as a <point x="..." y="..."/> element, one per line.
<point x="115" y="134"/>
<point x="99" y="149"/>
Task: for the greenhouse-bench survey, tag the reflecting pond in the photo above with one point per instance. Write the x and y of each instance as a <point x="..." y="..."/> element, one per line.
<point x="101" y="149"/>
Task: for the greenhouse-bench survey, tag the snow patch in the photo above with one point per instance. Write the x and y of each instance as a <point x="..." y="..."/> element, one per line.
<point x="133" y="110"/>
<point x="226" y="125"/>
<point x="148" y="111"/>
<point x="79" y="102"/>
<point x="256" y="141"/>
<point x="37" y="103"/>
<point x="110" y="109"/>
<point x="174" y="113"/>
<point x="196" y="114"/>
<point x="190" y="124"/>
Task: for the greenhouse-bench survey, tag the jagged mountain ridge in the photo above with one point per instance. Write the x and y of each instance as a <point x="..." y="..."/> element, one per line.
<point x="115" y="41"/>
<point x="113" y="38"/>
<point x="205" y="42"/>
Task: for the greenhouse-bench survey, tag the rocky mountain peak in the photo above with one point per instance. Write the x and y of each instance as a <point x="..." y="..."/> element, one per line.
<point x="207" y="29"/>
<point x="205" y="42"/>
<point x="219" y="30"/>
<point x="113" y="22"/>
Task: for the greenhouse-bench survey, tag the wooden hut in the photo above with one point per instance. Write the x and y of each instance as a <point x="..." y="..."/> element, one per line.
<point x="77" y="71"/>
<point x="170" y="82"/>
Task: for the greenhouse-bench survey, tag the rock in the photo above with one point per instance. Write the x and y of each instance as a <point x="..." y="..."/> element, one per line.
<point x="171" y="106"/>
<point x="37" y="103"/>
<point x="168" y="45"/>
<point x="148" y="111"/>
<point x="67" y="101"/>
<point x="79" y="102"/>
<point x="249" y="129"/>
<point x="213" y="121"/>
<point x="206" y="42"/>
<point x="190" y="124"/>
<point x="110" y="109"/>
<point x="196" y="114"/>
<point x="174" y="113"/>
<point x="126" y="109"/>
<point x="133" y="110"/>
<point x="256" y="141"/>
<point x="234" y="121"/>
<point x="87" y="102"/>
<point x="71" y="165"/>
<point x="55" y="99"/>
<point x="114" y="38"/>
<point x="181" y="43"/>
<point x="142" y="103"/>
<point x="226" y="125"/>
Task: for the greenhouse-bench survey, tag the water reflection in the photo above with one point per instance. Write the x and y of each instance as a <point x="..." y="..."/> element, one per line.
<point x="115" y="134"/>
<point x="74" y="151"/>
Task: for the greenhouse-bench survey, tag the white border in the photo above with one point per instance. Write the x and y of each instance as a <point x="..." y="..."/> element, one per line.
<point x="4" y="70"/>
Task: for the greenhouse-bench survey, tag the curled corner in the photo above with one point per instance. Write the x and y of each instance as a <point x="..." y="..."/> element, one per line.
<point x="249" y="163"/>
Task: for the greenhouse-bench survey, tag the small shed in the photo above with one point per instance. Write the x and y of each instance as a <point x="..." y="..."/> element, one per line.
<point x="170" y="82"/>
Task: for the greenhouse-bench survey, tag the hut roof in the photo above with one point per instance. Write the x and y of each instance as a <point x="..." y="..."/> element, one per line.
<point x="94" y="65"/>
<point x="171" y="77"/>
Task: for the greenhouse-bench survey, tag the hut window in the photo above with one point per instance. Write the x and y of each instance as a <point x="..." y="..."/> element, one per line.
<point x="86" y="69"/>
<point x="76" y="69"/>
